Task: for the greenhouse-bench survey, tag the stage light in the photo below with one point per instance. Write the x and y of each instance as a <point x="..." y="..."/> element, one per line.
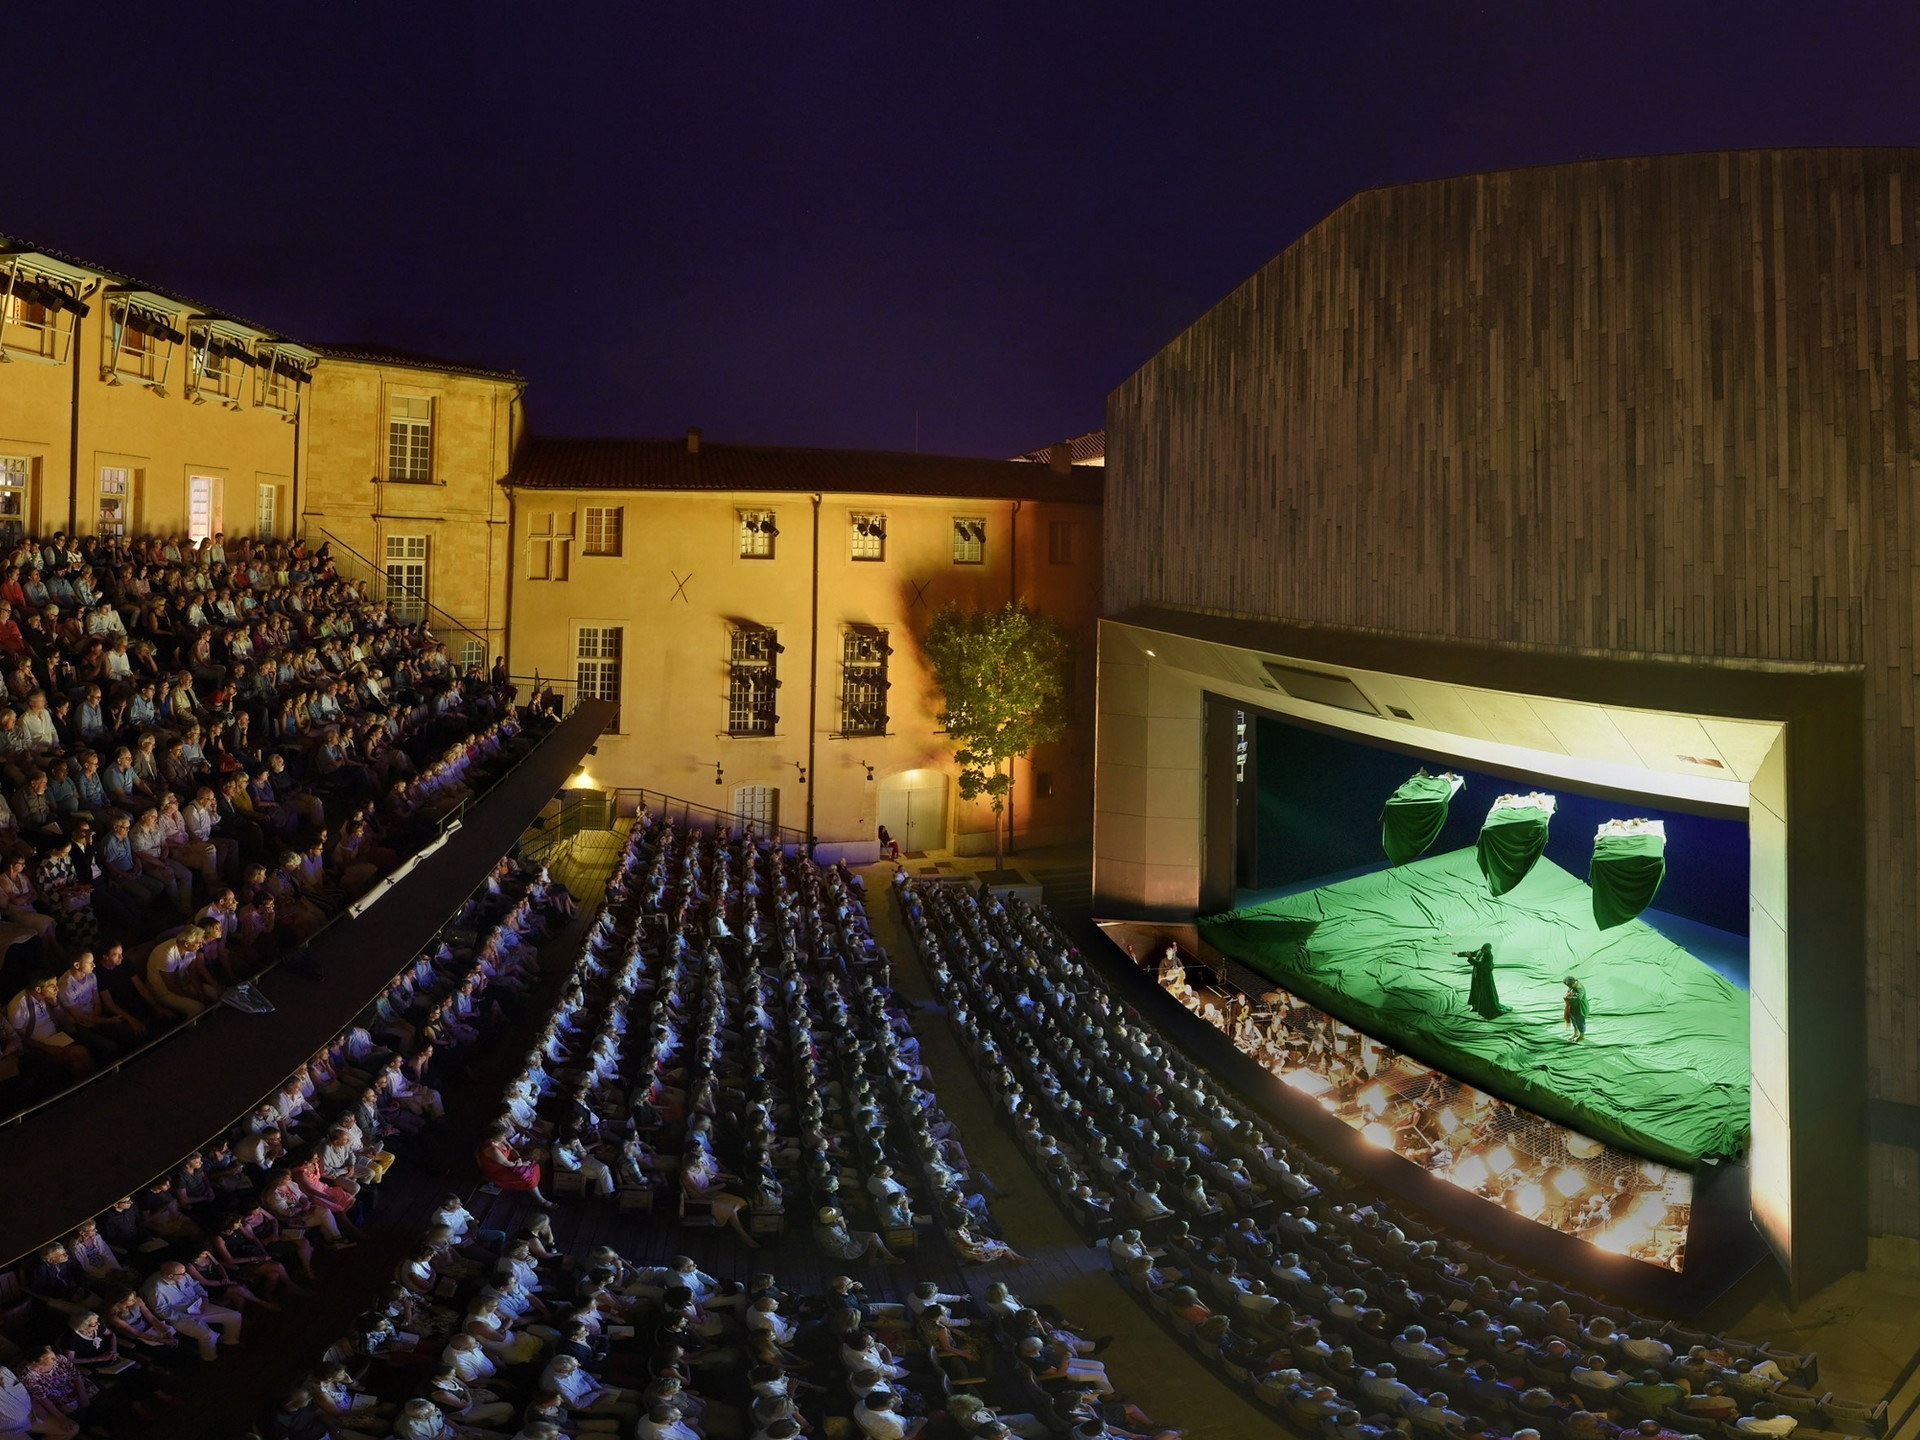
<point x="1569" y="1182"/>
<point x="1530" y="1200"/>
<point x="1470" y="1172"/>
<point x="1374" y="1099"/>
<point x="1651" y="1209"/>
<point x="1450" y="1123"/>
<point x="1378" y="1134"/>
<point x="1499" y="1160"/>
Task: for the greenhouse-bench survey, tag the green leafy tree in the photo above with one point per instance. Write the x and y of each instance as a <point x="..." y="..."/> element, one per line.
<point x="1003" y="677"/>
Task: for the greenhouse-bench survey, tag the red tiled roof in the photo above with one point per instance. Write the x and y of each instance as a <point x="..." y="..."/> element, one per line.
<point x="389" y="355"/>
<point x="581" y="464"/>
<point x="1081" y="449"/>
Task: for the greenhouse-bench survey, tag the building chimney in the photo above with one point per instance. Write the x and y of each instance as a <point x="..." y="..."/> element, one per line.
<point x="1060" y="458"/>
<point x="693" y="440"/>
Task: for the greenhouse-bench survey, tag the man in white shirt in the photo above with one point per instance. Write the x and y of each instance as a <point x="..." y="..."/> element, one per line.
<point x="180" y="1300"/>
<point x="878" y="1418"/>
<point x="1765" y="1420"/>
<point x="1383" y="1385"/>
<point x="585" y="1395"/>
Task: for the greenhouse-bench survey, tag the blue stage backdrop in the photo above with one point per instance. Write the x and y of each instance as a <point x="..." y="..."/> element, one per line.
<point x="1319" y="800"/>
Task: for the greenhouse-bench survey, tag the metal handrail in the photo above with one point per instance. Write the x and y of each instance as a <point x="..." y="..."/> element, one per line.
<point x="704" y="817"/>
<point x="443" y="825"/>
<point x="377" y="573"/>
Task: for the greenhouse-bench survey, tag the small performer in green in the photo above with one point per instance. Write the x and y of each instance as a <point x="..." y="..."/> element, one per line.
<point x="1483" y="997"/>
<point x="1573" y="1013"/>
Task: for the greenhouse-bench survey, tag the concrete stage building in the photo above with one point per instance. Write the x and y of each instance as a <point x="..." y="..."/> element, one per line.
<point x="1600" y="475"/>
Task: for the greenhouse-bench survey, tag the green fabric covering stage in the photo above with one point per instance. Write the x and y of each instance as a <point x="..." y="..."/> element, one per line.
<point x="1663" y="1071"/>
<point x="1414" y="816"/>
<point x="1625" y="872"/>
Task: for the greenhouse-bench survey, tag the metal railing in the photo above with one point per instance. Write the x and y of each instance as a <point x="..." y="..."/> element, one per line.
<point x="403" y="600"/>
<point x="707" y="819"/>
<point x="442" y="826"/>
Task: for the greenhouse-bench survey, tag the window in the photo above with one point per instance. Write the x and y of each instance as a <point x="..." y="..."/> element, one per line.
<point x="410" y="439"/>
<point x="604" y="524"/>
<point x="217" y="361"/>
<point x="596" y="665"/>
<point x="753" y="681"/>
<point x="39" y="317"/>
<point x="473" y="652"/>
<point x="869" y="537"/>
<point x="863" y="680"/>
<point x="1060" y="542"/>
<point x="203" y="506"/>
<point x="757" y="805"/>
<point x="266" y="511"/>
<point x="15" y="472"/>
<point x="140" y="337"/>
<point x="549" y="544"/>
<point x="969" y="540"/>
<point x="407" y="578"/>
<point x="116" y="496"/>
<point x="757" y="531"/>
<point x="278" y="373"/>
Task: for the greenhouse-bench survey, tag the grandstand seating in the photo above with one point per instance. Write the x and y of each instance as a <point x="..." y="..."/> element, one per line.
<point x="1316" y="1304"/>
<point x="330" y="741"/>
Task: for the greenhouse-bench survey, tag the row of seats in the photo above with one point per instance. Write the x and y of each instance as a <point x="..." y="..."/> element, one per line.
<point x="95" y="1329"/>
<point x="648" y="1061"/>
<point x="1339" y="1314"/>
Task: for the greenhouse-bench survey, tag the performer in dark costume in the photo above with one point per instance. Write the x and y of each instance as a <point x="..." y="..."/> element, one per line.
<point x="1574" y="1012"/>
<point x="1483" y="997"/>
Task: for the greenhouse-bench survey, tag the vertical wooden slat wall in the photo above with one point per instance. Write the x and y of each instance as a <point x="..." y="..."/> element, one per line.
<point x="1660" y="407"/>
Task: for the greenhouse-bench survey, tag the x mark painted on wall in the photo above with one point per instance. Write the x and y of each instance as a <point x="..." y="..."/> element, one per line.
<point x="680" y="587"/>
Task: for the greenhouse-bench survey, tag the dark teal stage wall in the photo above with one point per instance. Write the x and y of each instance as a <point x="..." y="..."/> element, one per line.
<point x="1318" y="800"/>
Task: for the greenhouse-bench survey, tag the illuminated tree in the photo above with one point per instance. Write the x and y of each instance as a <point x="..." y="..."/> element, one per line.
<point x="1003" y="677"/>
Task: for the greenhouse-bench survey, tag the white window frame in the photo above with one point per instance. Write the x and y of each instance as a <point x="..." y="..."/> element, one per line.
<point x="113" y="501"/>
<point x="473" y="652"/>
<point x="203" y="519"/>
<point x="16" y="489"/>
<point x="405" y="564"/>
<point x="410" y="439"/>
<point x="867" y="536"/>
<point x="758" y="531"/>
<point x="864" y="652"/>
<point x="753" y="681"/>
<point x="969" y="539"/>
<point x="599" y="657"/>
<point x="266" y="511"/>
<point x="605" y="530"/>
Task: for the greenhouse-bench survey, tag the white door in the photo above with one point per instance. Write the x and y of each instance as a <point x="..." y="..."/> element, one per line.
<point x="757" y="804"/>
<point x="913" y="807"/>
<point x="203" y="507"/>
<point x="268" y="509"/>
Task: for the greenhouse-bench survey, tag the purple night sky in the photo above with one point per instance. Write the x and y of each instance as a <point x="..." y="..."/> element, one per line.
<point x="804" y="223"/>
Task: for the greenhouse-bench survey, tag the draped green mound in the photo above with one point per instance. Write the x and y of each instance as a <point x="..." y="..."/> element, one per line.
<point x="1663" y="1070"/>
<point x="1511" y="841"/>
<point x="1625" y="872"/>
<point x="1413" y="816"/>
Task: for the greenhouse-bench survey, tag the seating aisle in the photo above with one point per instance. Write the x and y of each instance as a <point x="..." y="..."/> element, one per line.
<point x="1066" y="1272"/>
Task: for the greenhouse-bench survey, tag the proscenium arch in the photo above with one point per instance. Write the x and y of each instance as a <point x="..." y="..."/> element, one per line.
<point x="1815" y="777"/>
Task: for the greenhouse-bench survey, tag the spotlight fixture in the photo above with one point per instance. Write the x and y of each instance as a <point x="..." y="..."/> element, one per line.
<point x="719" y="775"/>
<point x="803" y="771"/>
<point x="868" y="768"/>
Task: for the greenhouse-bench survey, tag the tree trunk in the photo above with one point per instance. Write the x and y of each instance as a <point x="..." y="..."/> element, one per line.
<point x="1000" y="834"/>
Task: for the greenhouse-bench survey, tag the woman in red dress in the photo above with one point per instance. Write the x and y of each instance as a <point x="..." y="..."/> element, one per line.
<point x="502" y="1164"/>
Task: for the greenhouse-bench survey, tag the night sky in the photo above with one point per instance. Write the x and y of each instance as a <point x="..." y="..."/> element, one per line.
<point x="805" y="223"/>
